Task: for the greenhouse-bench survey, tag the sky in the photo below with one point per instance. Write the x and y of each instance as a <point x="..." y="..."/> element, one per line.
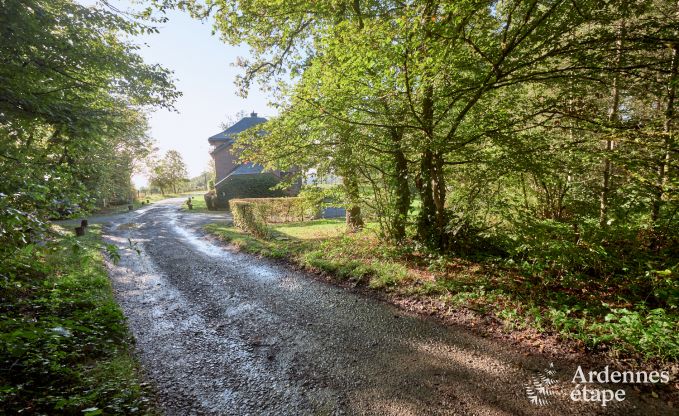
<point x="204" y="73"/>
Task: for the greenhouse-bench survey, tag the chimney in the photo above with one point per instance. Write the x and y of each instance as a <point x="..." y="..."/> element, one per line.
<point x="253" y="114"/>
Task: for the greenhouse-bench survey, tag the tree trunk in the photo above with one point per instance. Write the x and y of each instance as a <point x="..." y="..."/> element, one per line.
<point x="401" y="188"/>
<point x="431" y="221"/>
<point x="426" y="222"/>
<point x="525" y="194"/>
<point x="613" y="119"/>
<point x="439" y="190"/>
<point x="668" y="141"/>
<point x="354" y="219"/>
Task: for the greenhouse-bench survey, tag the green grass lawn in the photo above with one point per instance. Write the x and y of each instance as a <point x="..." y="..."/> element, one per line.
<point x="64" y="336"/>
<point x="590" y="315"/>
<point x="287" y="239"/>
<point x="117" y="209"/>
<point x="198" y="204"/>
<point x="311" y="230"/>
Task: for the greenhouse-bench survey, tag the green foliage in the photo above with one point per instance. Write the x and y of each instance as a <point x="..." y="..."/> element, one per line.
<point x="279" y="210"/>
<point x="72" y="102"/>
<point x="248" y="186"/>
<point x="167" y="173"/>
<point x="654" y="334"/>
<point x="72" y="121"/>
<point x="203" y="182"/>
<point x="255" y="214"/>
<point x="246" y="217"/>
<point x="64" y="346"/>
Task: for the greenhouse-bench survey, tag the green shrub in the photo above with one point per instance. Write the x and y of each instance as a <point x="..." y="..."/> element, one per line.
<point x="248" y="186"/>
<point x="651" y="333"/>
<point x="210" y="199"/>
<point x="64" y="345"/>
<point x="282" y="210"/>
<point x="253" y="214"/>
<point x="245" y="217"/>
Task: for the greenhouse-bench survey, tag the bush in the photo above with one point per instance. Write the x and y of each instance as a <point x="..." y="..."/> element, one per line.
<point x="248" y="186"/>
<point x="64" y="346"/>
<point x="210" y="200"/>
<point x="280" y="210"/>
<point x="245" y="217"/>
<point x="253" y="214"/>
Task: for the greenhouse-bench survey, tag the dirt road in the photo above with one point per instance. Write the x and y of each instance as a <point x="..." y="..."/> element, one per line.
<point x="226" y="333"/>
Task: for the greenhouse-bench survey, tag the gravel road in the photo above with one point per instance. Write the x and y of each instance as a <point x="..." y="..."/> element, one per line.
<point x="226" y="333"/>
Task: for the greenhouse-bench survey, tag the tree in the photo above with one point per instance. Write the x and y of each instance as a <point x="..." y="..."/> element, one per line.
<point x="72" y="102"/>
<point x="168" y="172"/>
<point x="462" y="107"/>
<point x="176" y="169"/>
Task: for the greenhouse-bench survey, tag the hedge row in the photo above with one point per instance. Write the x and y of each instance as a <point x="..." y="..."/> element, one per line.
<point x="245" y="217"/>
<point x="248" y="186"/>
<point x="253" y="214"/>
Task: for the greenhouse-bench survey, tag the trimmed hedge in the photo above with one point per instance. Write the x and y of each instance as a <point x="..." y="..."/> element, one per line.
<point x="245" y="217"/>
<point x="253" y="214"/>
<point x="211" y="200"/>
<point x="247" y="186"/>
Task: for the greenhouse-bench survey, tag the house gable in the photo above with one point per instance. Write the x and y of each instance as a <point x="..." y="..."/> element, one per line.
<point x="226" y="162"/>
<point x="243" y="124"/>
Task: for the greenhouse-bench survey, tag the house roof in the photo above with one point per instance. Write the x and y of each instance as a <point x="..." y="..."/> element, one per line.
<point x="242" y="125"/>
<point x="221" y="145"/>
<point x="247" y="168"/>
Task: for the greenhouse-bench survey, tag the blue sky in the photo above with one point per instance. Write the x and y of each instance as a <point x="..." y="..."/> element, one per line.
<point x="203" y="70"/>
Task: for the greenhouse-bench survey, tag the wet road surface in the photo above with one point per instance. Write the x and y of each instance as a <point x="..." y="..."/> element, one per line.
<point x="227" y="333"/>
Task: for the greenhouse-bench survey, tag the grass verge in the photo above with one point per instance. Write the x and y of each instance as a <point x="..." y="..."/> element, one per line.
<point x="199" y="205"/>
<point x="141" y="201"/>
<point x="64" y="344"/>
<point x="592" y="315"/>
<point x="117" y="209"/>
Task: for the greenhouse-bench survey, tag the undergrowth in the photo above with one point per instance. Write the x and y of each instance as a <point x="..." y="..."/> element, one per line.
<point x="64" y="345"/>
<point x="610" y="314"/>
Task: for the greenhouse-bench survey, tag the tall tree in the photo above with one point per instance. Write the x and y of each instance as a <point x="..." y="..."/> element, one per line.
<point x="73" y="89"/>
<point x="168" y="172"/>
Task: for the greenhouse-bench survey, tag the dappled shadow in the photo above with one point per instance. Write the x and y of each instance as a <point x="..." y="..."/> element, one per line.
<point x="332" y="348"/>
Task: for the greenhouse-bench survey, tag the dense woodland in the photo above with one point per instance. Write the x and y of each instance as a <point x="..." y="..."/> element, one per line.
<point x="537" y="135"/>
<point x="72" y="97"/>
<point x="520" y="128"/>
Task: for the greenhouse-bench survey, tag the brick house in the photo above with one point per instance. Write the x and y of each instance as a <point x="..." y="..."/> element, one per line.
<point x="226" y="163"/>
<point x="234" y="179"/>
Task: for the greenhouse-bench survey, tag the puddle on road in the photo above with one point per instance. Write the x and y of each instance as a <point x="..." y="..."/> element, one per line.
<point x="259" y="271"/>
<point x="202" y="246"/>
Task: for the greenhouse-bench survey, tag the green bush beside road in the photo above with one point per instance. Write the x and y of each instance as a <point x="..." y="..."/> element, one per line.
<point x="64" y="344"/>
<point x="603" y="316"/>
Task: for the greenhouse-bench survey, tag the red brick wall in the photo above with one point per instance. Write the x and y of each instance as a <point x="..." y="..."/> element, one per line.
<point x="224" y="162"/>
